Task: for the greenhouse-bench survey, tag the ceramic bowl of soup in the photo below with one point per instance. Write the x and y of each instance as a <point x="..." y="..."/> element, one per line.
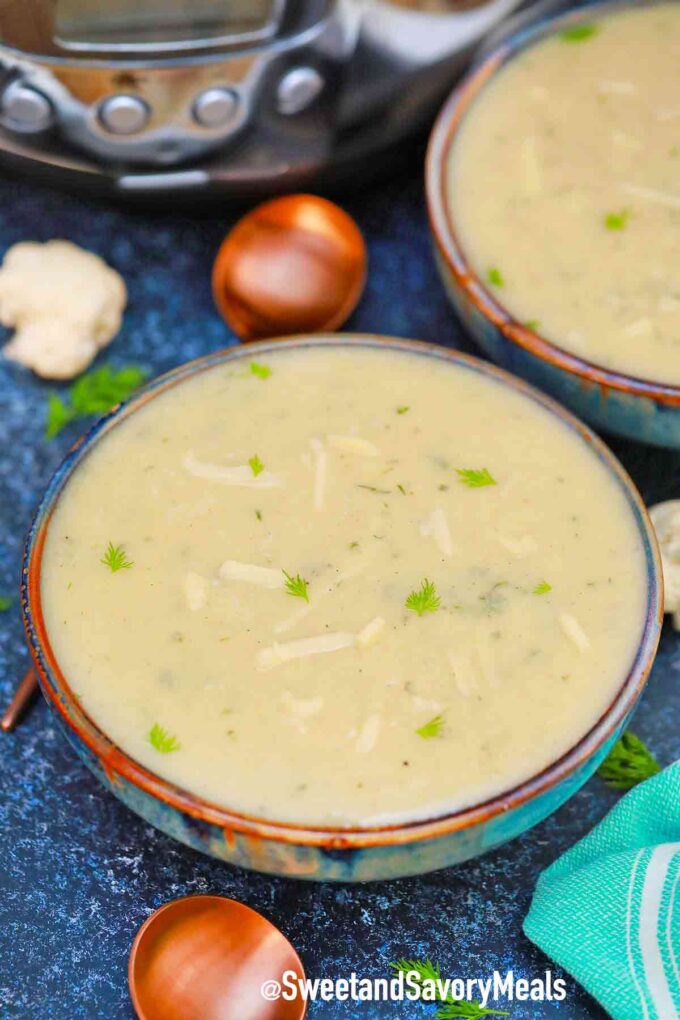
<point x="341" y="608"/>
<point x="552" y="182"/>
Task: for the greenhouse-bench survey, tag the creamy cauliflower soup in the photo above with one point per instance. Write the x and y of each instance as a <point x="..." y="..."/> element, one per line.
<point x="564" y="183"/>
<point x="343" y="585"/>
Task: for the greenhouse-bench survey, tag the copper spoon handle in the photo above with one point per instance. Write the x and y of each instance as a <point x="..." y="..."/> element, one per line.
<point x="23" y="696"/>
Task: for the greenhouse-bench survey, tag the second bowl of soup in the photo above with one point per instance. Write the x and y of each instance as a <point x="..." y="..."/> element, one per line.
<point x="553" y="188"/>
<point x="342" y="608"/>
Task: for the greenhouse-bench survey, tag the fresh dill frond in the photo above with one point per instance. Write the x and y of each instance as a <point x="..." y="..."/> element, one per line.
<point x="432" y="728"/>
<point x="115" y="558"/>
<point x="495" y="277"/>
<point x="628" y="763"/>
<point x="296" y="586"/>
<point x="461" y="1009"/>
<point x="424" y="599"/>
<point x="429" y="973"/>
<point x="6" y="602"/>
<point x="425" y="969"/>
<point x="617" y="220"/>
<point x="92" y="394"/>
<point x="542" y="588"/>
<point x="533" y="324"/>
<point x="402" y="490"/>
<point x="403" y="409"/>
<point x="162" y="740"/>
<point x="258" y="514"/>
<point x="59" y="415"/>
<point x="261" y="371"/>
<point x="98" y="391"/>
<point x="256" y="465"/>
<point x="475" y="478"/>
<point x="578" y="33"/>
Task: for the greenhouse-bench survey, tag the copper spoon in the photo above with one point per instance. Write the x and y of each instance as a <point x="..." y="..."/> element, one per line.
<point x="21" y="699"/>
<point x="296" y="264"/>
<point x="209" y="958"/>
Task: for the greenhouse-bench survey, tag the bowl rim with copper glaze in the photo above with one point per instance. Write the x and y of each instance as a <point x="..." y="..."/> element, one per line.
<point x="114" y="760"/>
<point x="442" y="218"/>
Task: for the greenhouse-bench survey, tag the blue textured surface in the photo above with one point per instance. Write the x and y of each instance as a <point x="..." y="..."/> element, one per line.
<point x="78" y="872"/>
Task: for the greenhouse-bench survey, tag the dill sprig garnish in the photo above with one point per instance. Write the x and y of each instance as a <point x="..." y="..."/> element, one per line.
<point x="432" y="728"/>
<point x="542" y="588"/>
<point x="163" y="741"/>
<point x="578" y="33"/>
<point x="115" y="558"/>
<point x="628" y="763"/>
<point x="462" y="1009"/>
<point x="617" y="220"/>
<point x="261" y="371"/>
<point x="452" y="1009"/>
<point x="296" y="586"/>
<point x="475" y="478"/>
<point x="424" y="599"/>
<point x="256" y="465"/>
<point x="495" y="277"/>
<point x="403" y="409"/>
<point x="94" y="393"/>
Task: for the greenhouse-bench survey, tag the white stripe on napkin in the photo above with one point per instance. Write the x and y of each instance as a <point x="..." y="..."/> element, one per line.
<point x="669" y="933"/>
<point x="629" y="948"/>
<point x="650" y="906"/>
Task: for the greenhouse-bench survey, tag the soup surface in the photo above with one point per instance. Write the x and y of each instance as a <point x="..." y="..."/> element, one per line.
<point x="343" y="585"/>
<point x="564" y="182"/>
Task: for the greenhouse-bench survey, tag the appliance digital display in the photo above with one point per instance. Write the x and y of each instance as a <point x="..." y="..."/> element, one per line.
<point x="146" y="23"/>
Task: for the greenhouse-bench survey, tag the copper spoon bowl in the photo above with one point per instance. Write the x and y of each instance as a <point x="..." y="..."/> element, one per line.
<point x="296" y="264"/>
<point x="209" y="958"/>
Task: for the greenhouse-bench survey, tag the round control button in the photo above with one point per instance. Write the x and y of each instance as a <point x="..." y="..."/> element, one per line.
<point x="298" y="89"/>
<point x="215" y="107"/>
<point x="26" y="108"/>
<point x="123" y="115"/>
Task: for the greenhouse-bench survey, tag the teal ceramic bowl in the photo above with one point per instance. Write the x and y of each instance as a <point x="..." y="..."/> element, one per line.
<point x="637" y="408"/>
<point x="331" y="854"/>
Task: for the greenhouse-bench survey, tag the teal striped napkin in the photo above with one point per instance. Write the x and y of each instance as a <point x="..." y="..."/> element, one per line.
<point x="608" y="910"/>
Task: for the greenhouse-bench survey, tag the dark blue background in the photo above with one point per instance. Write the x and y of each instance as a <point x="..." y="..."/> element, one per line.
<point x="78" y="872"/>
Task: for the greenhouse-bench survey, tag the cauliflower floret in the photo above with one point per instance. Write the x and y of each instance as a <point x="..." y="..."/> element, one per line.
<point x="64" y="303"/>
<point x="666" y="520"/>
